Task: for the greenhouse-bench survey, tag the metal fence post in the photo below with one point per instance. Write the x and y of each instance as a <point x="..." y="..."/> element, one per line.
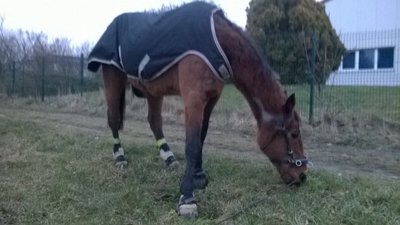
<point x="82" y="84"/>
<point x="13" y="78"/>
<point x="43" y="70"/>
<point x="23" y="79"/>
<point x="312" y="78"/>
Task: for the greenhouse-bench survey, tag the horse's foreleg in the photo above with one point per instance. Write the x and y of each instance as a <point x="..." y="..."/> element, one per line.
<point x="155" y="120"/>
<point x="200" y="179"/>
<point x="207" y="113"/>
<point x="114" y="91"/>
<point x="194" y="108"/>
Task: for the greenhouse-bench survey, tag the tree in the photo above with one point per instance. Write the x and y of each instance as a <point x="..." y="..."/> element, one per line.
<point x="284" y="29"/>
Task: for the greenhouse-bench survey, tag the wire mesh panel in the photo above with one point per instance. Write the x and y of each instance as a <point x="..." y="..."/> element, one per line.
<point x="49" y="76"/>
<point x="367" y="83"/>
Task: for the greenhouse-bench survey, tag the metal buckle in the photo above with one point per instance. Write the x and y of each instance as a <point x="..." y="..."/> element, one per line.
<point x="298" y="162"/>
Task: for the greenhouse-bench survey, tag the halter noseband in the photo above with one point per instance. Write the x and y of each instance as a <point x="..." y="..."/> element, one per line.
<point x="291" y="160"/>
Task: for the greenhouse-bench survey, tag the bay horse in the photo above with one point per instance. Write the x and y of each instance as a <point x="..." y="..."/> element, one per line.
<point x="278" y="123"/>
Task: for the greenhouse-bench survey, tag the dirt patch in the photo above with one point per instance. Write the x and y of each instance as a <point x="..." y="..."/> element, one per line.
<point x="372" y="149"/>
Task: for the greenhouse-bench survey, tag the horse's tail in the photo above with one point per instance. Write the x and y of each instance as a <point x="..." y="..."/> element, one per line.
<point x="115" y="80"/>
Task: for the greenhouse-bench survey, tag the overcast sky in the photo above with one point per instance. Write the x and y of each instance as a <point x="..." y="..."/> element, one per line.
<point x="86" y="20"/>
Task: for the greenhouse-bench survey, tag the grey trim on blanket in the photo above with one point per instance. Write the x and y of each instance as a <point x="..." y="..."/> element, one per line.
<point x="107" y="62"/>
<point x="221" y="51"/>
<point x="177" y="59"/>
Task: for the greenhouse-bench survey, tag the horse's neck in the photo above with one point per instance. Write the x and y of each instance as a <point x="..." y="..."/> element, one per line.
<point x="256" y="81"/>
<point x="264" y="95"/>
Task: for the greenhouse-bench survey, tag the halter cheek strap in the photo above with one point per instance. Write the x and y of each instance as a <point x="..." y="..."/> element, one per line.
<point x="291" y="160"/>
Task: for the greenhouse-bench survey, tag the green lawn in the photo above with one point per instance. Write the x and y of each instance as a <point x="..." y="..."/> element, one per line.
<point x="63" y="176"/>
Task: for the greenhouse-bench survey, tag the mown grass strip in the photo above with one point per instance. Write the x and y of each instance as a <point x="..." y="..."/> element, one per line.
<point x="63" y="176"/>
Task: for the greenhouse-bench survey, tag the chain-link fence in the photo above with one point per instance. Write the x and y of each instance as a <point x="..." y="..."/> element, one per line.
<point x="366" y="85"/>
<point x="47" y="76"/>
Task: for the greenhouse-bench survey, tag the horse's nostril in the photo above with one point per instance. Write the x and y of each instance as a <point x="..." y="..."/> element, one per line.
<point x="297" y="181"/>
<point x="303" y="177"/>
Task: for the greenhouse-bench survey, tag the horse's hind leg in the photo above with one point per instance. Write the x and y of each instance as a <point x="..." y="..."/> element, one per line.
<point x="114" y="91"/>
<point x="155" y="120"/>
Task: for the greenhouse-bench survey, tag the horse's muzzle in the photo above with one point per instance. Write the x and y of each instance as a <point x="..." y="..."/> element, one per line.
<point x="297" y="182"/>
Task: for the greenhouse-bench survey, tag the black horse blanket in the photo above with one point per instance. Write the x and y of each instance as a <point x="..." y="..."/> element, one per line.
<point x="146" y="44"/>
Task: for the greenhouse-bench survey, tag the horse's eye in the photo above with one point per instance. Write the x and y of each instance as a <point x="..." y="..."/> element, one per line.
<point x="295" y="135"/>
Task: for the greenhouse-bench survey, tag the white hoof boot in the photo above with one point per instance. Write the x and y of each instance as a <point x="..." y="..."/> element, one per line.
<point x="188" y="211"/>
<point x="188" y="208"/>
<point x="120" y="159"/>
<point x="169" y="158"/>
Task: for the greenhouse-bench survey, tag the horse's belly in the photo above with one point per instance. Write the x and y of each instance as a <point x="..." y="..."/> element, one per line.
<point x="166" y="84"/>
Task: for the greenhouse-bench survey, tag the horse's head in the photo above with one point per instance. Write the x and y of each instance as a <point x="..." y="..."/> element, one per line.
<point x="281" y="141"/>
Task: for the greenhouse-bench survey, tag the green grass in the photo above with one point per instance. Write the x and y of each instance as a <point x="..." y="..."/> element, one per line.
<point x="50" y="175"/>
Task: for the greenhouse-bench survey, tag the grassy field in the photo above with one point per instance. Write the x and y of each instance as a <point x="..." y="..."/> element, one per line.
<point x="61" y="176"/>
<point x="56" y="168"/>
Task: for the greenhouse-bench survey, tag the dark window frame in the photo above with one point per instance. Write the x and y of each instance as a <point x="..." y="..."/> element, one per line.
<point x="349" y="60"/>
<point x="366" y="60"/>
<point x="384" y="63"/>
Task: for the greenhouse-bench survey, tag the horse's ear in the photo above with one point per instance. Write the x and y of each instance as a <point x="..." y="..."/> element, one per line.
<point x="289" y="105"/>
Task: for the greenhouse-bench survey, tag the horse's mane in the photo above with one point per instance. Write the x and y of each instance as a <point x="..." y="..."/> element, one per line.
<point x="268" y="71"/>
<point x="169" y="7"/>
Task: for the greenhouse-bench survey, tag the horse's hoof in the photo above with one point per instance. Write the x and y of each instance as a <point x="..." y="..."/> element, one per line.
<point x="200" y="181"/>
<point x="188" y="211"/>
<point x="171" y="163"/>
<point x="174" y="165"/>
<point x="187" y="207"/>
<point x="121" y="165"/>
<point x="121" y="162"/>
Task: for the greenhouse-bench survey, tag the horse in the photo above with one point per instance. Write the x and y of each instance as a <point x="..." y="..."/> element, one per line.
<point x="278" y="123"/>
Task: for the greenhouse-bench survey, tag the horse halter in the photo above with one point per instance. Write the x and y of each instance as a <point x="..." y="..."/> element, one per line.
<point x="291" y="159"/>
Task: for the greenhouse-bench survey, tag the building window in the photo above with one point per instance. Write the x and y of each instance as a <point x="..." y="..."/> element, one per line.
<point x="349" y="60"/>
<point x="366" y="59"/>
<point x="385" y="58"/>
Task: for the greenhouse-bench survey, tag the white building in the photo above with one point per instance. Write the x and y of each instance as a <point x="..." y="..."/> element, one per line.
<point x="370" y="30"/>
